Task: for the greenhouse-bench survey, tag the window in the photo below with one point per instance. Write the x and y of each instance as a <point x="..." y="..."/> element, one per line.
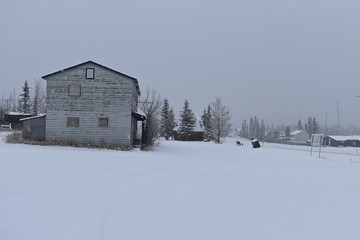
<point x="90" y="72"/>
<point x="103" y="122"/>
<point x="74" y="90"/>
<point x="72" y="121"/>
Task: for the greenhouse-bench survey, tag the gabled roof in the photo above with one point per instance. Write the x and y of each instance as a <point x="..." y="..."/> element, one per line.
<point x="297" y="132"/>
<point x="120" y="73"/>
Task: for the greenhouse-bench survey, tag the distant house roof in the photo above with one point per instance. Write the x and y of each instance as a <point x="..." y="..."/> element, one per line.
<point x="122" y="74"/>
<point x="345" y="138"/>
<point x="297" y="132"/>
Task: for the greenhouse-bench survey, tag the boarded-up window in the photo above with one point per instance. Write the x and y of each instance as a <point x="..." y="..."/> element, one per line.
<point x="72" y="121"/>
<point x="103" y="122"/>
<point x="74" y="90"/>
<point x="90" y="72"/>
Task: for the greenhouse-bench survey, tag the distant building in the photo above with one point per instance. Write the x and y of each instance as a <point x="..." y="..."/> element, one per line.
<point x="196" y="135"/>
<point x="92" y="103"/>
<point x="299" y="136"/>
<point x="342" y="141"/>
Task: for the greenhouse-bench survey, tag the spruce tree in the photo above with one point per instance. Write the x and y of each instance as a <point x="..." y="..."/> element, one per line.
<point x="251" y="128"/>
<point x="24" y="102"/>
<point x="187" y="121"/>
<point x="203" y="119"/>
<point x="287" y="131"/>
<point x="167" y="123"/>
<point x="207" y="124"/>
<point x="172" y="122"/>
<point x="310" y="127"/>
<point x="262" y="131"/>
<point x="315" y="126"/>
<point x="256" y="128"/>
<point x="299" y="125"/>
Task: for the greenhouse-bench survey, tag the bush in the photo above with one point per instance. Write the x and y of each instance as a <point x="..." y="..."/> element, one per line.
<point x="16" y="137"/>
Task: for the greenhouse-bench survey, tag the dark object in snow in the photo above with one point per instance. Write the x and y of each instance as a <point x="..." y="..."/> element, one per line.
<point x="255" y="143"/>
<point x="238" y="143"/>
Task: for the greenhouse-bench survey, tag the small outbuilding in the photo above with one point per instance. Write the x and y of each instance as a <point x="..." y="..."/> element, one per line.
<point x="34" y="127"/>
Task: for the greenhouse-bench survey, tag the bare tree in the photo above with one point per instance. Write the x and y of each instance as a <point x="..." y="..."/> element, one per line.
<point x="38" y="100"/>
<point x="221" y="119"/>
<point x="3" y="108"/>
<point x="150" y="104"/>
<point x="12" y="101"/>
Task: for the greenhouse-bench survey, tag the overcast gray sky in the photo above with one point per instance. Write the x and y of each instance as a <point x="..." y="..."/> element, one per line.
<point x="280" y="60"/>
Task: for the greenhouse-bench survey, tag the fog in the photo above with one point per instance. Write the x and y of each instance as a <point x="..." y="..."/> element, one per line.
<point x="280" y="60"/>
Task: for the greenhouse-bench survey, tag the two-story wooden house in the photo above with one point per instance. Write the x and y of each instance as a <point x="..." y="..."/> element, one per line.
<point x="92" y="103"/>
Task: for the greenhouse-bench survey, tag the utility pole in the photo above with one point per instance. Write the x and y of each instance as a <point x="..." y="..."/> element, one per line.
<point x="325" y="124"/>
<point x="338" y="113"/>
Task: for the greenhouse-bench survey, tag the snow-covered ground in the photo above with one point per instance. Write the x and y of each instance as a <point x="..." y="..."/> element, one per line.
<point x="182" y="190"/>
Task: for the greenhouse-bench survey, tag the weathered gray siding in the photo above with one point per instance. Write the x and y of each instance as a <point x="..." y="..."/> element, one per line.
<point x="109" y="95"/>
<point x="34" y="128"/>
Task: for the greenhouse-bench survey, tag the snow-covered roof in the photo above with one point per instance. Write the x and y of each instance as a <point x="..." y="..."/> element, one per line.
<point x="28" y="118"/>
<point x="139" y="115"/>
<point x="344" y="138"/>
<point x="18" y="114"/>
<point x="297" y="132"/>
<point x="140" y="112"/>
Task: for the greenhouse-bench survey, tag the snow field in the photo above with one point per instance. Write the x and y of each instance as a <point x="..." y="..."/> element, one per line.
<point x="182" y="190"/>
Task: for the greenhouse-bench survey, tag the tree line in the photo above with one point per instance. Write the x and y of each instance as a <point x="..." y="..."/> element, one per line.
<point x="31" y="100"/>
<point x="253" y="129"/>
<point x="161" y="121"/>
<point x="257" y="129"/>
